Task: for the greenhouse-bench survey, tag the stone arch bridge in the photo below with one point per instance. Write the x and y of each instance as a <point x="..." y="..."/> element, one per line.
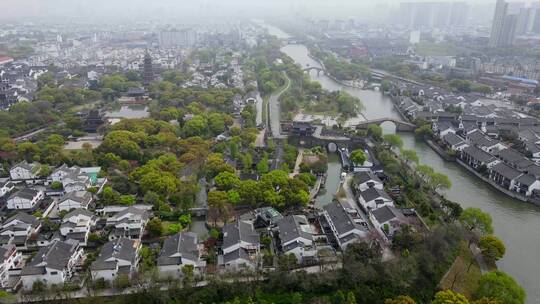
<point x="401" y="126"/>
<point x="314" y="68"/>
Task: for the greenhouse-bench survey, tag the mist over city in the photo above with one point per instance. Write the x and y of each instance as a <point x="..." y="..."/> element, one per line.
<point x="271" y="151"/>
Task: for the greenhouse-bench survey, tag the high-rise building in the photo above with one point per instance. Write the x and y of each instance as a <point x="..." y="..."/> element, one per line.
<point x="509" y="30"/>
<point x="148" y="70"/>
<point x="523" y="17"/>
<point x="420" y="15"/>
<point x="497" y="27"/>
<point x="535" y="24"/>
<point x="177" y="38"/>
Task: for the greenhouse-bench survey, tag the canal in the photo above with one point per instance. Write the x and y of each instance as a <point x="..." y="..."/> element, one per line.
<point x="515" y="222"/>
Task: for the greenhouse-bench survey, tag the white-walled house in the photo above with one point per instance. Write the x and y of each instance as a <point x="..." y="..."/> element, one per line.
<point x="454" y="142"/>
<point x="374" y="198"/>
<point x="296" y="237"/>
<point x="18" y="228"/>
<point x="72" y="178"/>
<point x="241" y="246"/>
<point x="54" y="264"/>
<point x="387" y="220"/>
<point x="24" y="171"/>
<point x="364" y="180"/>
<point x="128" y="223"/>
<point x="6" y="188"/>
<point x="527" y="184"/>
<point x="117" y="257"/>
<point x="77" y="224"/>
<point x="75" y="200"/>
<point x="25" y="199"/>
<point x="10" y="259"/>
<point x="179" y="250"/>
<point x="344" y="226"/>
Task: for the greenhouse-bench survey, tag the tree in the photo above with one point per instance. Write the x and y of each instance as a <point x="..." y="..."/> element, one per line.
<point x="474" y="219"/>
<point x="410" y="155"/>
<point x="449" y="297"/>
<point x="386" y="85"/>
<point x="163" y="183"/>
<point x="358" y="157"/>
<point x="56" y="185"/>
<point x="439" y="181"/>
<point x="351" y="298"/>
<point x="262" y="166"/>
<point x="188" y="274"/>
<point x="28" y="150"/>
<point x="197" y="126"/>
<point x="394" y="140"/>
<point x="155" y="227"/>
<point x="226" y="180"/>
<point x="463" y="86"/>
<point x="500" y="286"/>
<point x="492" y="247"/>
<point x="374" y="131"/>
<point x="424" y="130"/>
<point x="219" y="200"/>
<point x="400" y="300"/>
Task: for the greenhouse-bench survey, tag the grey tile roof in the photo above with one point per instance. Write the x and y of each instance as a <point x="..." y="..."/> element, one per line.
<point x="365" y="176"/>
<point x="26" y="193"/>
<point x="480" y="139"/>
<point x="341" y="219"/>
<point x="82" y="197"/>
<point x="23" y="217"/>
<point x="510" y="155"/>
<point x="55" y="256"/>
<point x="526" y="179"/>
<point x="122" y="248"/>
<point x="77" y="212"/>
<point x="506" y="171"/>
<point x="478" y="154"/>
<point x="531" y="147"/>
<point x="385" y="213"/>
<point x="453" y="139"/>
<point x="374" y="193"/>
<point x="138" y="214"/>
<point x="290" y="228"/>
<point x="178" y="246"/>
<point x="239" y="253"/>
<point x="239" y="231"/>
<point x="32" y="167"/>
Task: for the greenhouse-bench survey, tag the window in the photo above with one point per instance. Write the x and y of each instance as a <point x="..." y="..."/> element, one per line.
<point x="54" y="272"/>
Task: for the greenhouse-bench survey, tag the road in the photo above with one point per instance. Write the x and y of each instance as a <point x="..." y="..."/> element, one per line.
<point x="275" y="117"/>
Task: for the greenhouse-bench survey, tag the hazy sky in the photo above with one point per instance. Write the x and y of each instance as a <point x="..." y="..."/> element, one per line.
<point x="157" y="9"/>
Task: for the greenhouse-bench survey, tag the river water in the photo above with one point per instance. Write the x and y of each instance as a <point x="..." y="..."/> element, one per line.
<point x="515" y="222"/>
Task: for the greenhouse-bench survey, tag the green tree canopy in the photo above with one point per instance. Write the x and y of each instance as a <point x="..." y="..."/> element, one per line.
<point x="226" y="180"/>
<point x="394" y="140"/>
<point x="400" y="300"/>
<point x="500" y="286"/>
<point x="474" y="219"/>
<point x="492" y="247"/>
<point x="358" y="157"/>
<point x="375" y="131"/>
<point x="449" y="297"/>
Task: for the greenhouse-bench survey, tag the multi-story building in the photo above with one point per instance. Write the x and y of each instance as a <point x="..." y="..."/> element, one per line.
<point x="118" y="257"/>
<point x="179" y="250"/>
<point x="10" y="258"/>
<point x="54" y="264"/>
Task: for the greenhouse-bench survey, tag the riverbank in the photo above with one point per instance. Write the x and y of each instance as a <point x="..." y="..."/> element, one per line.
<point x="341" y="82"/>
<point x="522" y="244"/>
